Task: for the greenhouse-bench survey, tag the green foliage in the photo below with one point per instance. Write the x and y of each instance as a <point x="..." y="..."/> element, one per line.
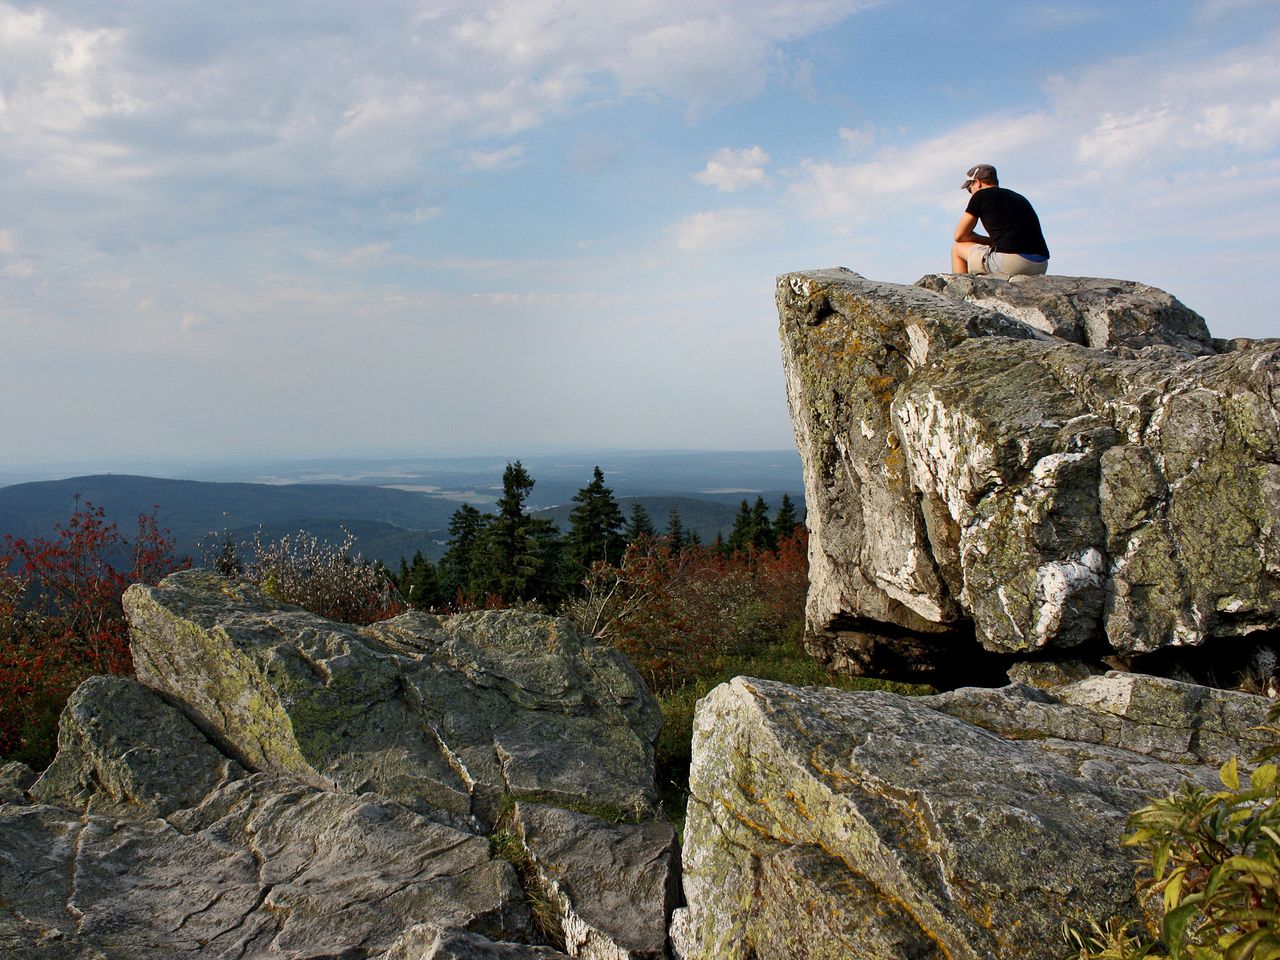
<point x="639" y="526"/>
<point x="676" y="538"/>
<point x="420" y="583"/>
<point x="787" y="519"/>
<point x="516" y="556"/>
<point x="1211" y="869"/>
<point x="595" y="528"/>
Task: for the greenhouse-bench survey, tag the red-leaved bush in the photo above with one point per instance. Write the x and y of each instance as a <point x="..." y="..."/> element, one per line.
<point x="674" y="612"/>
<point x="61" y="618"/>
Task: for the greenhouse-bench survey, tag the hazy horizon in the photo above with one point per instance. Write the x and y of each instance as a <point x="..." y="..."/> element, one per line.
<point x="277" y="231"/>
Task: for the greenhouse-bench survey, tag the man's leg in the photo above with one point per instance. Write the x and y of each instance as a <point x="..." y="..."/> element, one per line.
<point x="966" y="257"/>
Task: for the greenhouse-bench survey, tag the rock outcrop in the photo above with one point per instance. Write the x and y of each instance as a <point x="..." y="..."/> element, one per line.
<point x="447" y="717"/>
<point x="967" y="826"/>
<point x="289" y="787"/>
<point x="1045" y="464"/>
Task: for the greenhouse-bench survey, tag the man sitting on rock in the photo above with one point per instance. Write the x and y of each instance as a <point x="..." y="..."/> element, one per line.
<point x="1016" y="245"/>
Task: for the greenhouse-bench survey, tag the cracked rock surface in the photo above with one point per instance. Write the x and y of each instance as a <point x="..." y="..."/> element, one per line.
<point x="968" y="826"/>
<point x="167" y="856"/>
<point x="1050" y="463"/>
<point x="283" y="786"/>
<point x="444" y="716"/>
<point x="617" y="884"/>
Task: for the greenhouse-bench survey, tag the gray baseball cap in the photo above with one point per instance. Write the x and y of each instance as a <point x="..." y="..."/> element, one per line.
<point x="979" y="171"/>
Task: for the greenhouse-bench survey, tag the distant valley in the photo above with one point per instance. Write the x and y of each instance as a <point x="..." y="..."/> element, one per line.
<point x="395" y="508"/>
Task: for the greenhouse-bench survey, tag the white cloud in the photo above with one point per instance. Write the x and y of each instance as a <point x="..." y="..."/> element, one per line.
<point x="1109" y="129"/>
<point x="731" y="170"/>
<point x="858" y="139"/>
<point x="490" y="160"/>
<point x="8" y="241"/>
<point x="718" y="230"/>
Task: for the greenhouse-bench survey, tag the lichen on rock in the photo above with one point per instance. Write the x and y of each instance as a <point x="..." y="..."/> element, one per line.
<point x="1059" y="462"/>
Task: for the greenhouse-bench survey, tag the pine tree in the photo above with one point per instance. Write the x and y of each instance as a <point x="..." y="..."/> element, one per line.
<point x="762" y="532"/>
<point x="785" y="523"/>
<point x="743" y="532"/>
<point x="419" y="583"/>
<point x="595" y="526"/>
<point x="640" y="526"/>
<point x="458" y="567"/>
<point x="517" y="554"/>
<point x="676" y="538"/>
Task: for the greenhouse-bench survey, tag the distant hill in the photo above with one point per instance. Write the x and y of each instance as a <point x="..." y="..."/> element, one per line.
<point x="387" y="523"/>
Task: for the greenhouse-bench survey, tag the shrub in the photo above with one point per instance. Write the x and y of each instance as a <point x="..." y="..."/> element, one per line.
<point x="61" y="618"/>
<point x="329" y="580"/>
<point x="675" y="613"/>
<point x="1211" y="868"/>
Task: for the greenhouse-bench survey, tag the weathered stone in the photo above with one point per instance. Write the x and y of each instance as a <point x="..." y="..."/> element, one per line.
<point x="961" y="466"/>
<point x="617" y="883"/>
<point x="1049" y="673"/>
<point x="15" y="780"/>
<point x="130" y="753"/>
<point x="263" y="867"/>
<point x="847" y="345"/>
<point x="159" y="847"/>
<point x="824" y="823"/>
<point x="1085" y="310"/>
<point x="446" y="717"/>
<point x="429" y="942"/>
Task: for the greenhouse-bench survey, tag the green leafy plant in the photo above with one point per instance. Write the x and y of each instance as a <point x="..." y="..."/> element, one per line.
<point x="1211" y="870"/>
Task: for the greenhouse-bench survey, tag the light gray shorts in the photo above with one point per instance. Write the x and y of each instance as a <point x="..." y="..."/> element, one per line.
<point x="985" y="260"/>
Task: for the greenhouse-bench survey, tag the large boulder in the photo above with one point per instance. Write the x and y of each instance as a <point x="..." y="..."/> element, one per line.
<point x="447" y="717"/>
<point x="159" y="848"/>
<point x="288" y="787"/>
<point x="968" y="826"/>
<point x="972" y="468"/>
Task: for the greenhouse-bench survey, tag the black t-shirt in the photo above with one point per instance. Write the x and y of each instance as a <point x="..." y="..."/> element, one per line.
<point x="1009" y="220"/>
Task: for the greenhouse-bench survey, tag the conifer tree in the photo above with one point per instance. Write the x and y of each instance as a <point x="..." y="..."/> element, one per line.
<point x="676" y="538"/>
<point x="787" y="519"/>
<point x="419" y="583"/>
<point x="517" y="553"/>
<point x="743" y="532"/>
<point x="640" y="525"/>
<point x="595" y="527"/>
<point x="763" y="536"/>
<point x="458" y="565"/>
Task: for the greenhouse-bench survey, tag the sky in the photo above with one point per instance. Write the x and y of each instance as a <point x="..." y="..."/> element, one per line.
<point x="289" y="229"/>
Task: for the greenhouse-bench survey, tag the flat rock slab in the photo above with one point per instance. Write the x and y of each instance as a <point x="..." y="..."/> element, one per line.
<point x="824" y="823"/>
<point x="447" y="717"/>
<point x="617" y="883"/>
<point x="1092" y="311"/>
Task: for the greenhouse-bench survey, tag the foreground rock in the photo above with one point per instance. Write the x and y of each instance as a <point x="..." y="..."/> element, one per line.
<point x="446" y="717"/>
<point x="238" y="865"/>
<point x="966" y="826"/>
<point x="290" y="787"/>
<point x="615" y="885"/>
<point x="968" y="473"/>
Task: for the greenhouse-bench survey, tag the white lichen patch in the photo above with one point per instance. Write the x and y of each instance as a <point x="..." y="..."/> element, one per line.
<point x="1058" y="584"/>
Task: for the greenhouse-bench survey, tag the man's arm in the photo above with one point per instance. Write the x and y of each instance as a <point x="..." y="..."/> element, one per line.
<point x="964" y="231"/>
